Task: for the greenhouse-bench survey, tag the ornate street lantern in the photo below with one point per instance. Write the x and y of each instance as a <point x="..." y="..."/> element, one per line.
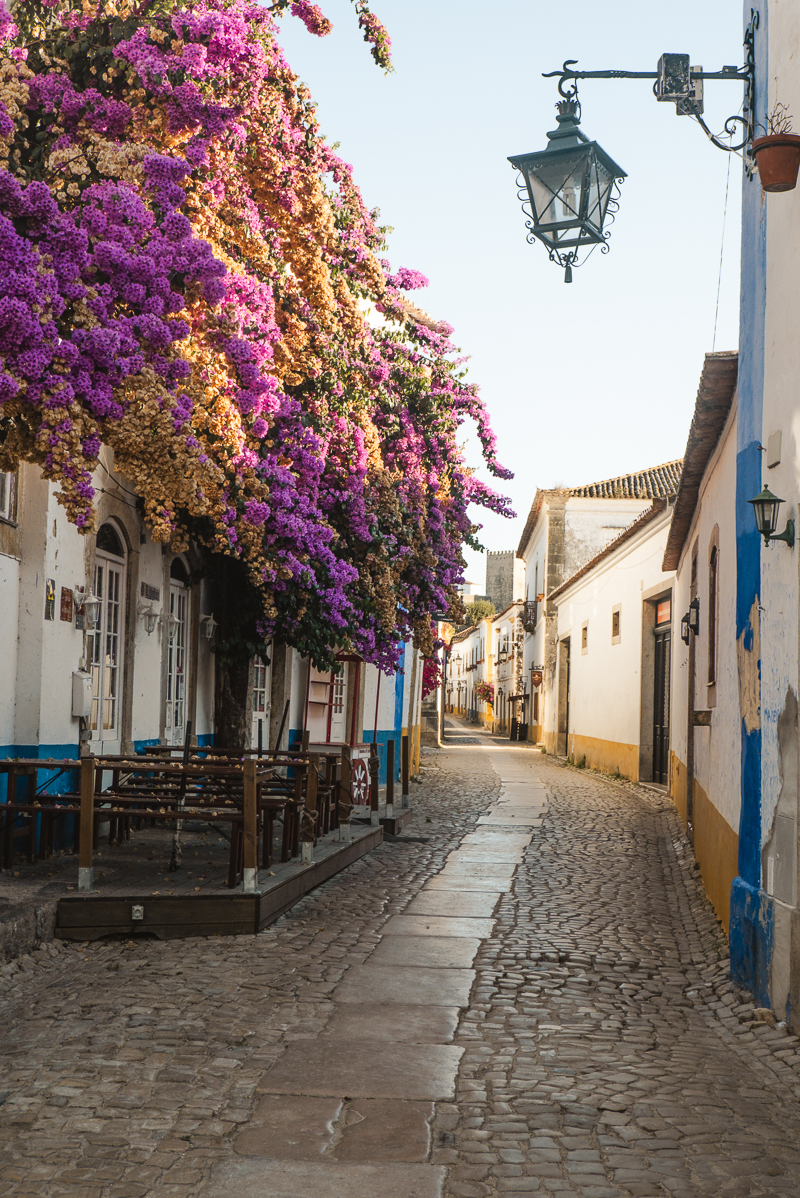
<point x="169" y="621"/>
<point x="91" y="610"/>
<point x="149" y="617"/>
<point x="765" y="509"/>
<point x="209" y="626"/>
<point x="569" y="188"/>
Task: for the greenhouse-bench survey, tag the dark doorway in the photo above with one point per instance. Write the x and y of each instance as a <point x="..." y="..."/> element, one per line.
<point x="663" y="637"/>
<point x="563" y="697"/>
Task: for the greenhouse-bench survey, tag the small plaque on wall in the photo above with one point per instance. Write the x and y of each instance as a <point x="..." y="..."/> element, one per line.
<point x="66" y="604"/>
<point x="151" y="592"/>
<point x="50" y="599"/>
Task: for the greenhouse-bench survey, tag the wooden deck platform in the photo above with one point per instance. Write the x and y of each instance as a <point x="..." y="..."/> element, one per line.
<point x="144" y="900"/>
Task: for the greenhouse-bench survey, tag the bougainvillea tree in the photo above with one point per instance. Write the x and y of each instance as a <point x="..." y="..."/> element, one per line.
<point x="192" y="281"/>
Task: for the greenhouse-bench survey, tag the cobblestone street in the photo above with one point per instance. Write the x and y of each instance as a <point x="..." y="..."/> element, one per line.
<point x="534" y="1003"/>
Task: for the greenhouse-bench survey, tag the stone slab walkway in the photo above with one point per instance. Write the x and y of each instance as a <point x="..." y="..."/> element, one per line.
<point x="525" y="992"/>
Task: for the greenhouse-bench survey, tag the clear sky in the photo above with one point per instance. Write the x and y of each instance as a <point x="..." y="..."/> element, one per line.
<point x="583" y="381"/>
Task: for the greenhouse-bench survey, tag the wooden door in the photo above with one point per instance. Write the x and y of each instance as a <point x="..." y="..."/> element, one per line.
<point x="663" y="646"/>
<point x="262" y="687"/>
<point x="337" y="733"/>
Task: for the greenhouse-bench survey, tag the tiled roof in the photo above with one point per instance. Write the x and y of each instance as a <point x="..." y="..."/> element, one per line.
<point x="659" y="482"/>
<point x="712" y="408"/>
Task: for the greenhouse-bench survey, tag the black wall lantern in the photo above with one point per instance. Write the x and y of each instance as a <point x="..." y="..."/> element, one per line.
<point x="569" y="189"/>
<point x="690" y="624"/>
<point x="765" y="509"/>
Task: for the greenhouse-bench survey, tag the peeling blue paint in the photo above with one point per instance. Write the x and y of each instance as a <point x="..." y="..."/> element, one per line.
<point x="750" y="817"/>
<point x="751" y="939"/>
<point x="751" y="909"/>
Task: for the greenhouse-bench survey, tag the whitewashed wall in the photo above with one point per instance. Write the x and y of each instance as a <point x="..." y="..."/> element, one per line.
<point x="9" y="590"/>
<point x="591" y="524"/>
<point x="606" y="678"/>
<point x="716" y="756"/>
<point x="41" y="654"/>
<point x="533" y="651"/>
<point x="781" y="414"/>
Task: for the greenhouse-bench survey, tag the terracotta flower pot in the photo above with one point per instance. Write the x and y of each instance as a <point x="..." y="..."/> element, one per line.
<point x="778" y="159"/>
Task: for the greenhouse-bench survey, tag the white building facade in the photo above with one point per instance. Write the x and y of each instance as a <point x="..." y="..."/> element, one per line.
<point x="609" y="708"/>
<point x="565" y="529"/>
<point x="145" y="674"/>
<point x="705" y="764"/>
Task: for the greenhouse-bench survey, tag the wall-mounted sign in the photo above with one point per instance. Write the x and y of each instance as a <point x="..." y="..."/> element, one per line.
<point x="50" y="599"/>
<point x="150" y="592"/>
<point x="536" y="677"/>
<point x="66" y="605"/>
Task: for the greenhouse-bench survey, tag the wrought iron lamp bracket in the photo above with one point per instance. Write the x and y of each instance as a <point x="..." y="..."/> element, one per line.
<point x="745" y="74"/>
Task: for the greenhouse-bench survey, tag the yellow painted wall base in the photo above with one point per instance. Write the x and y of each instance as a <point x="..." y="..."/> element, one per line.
<point x="551" y="742"/>
<point x="534" y="733"/>
<point x="607" y="755"/>
<point x="716" y="845"/>
<point x="677" y="784"/>
<point x="414" y="735"/>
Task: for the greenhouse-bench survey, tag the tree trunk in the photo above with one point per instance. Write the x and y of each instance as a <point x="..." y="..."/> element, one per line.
<point x="236" y="609"/>
<point x="231" y="724"/>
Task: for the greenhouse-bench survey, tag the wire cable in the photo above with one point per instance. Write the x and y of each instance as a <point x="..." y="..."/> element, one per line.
<point x="721" y="250"/>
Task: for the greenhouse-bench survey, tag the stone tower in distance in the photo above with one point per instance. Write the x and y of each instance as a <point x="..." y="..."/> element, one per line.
<point x="505" y="577"/>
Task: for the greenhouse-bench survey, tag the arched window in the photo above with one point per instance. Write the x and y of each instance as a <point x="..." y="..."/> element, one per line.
<point x="177" y="652"/>
<point x="108" y="541"/>
<point x="713" y="603"/>
<point x="105" y="643"/>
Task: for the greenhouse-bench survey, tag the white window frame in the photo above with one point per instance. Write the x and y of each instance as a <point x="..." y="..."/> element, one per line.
<point x="8" y="496"/>
<point x="108" y="675"/>
<point x="178" y="662"/>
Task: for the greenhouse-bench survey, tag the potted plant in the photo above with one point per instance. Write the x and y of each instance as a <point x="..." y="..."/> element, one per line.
<point x="485" y="692"/>
<point x="777" y="154"/>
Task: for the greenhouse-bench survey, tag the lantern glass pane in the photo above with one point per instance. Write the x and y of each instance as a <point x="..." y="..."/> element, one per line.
<point x="599" y="193"/>
<point x="556" y="187"/>
<point x="766" y="513"/>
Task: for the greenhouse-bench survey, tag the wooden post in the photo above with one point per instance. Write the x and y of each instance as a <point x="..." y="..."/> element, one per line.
<point x="390" y="779"/>
<point x="250" y="863"/>
<point x="305" y="742"/>
<point x="300" y="774"/>
<point x="374" y="795"/>
<point x="86" y="834"/>
<point x="310" y="815"/>
<point x="404" y="770"/>
<point x="345" y="796"/>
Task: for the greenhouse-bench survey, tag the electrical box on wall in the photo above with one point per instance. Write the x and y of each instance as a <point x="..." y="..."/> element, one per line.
<point x="81" y="695"/>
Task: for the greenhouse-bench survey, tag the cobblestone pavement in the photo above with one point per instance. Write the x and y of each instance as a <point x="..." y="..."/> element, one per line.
<point x="600" y="1051"/>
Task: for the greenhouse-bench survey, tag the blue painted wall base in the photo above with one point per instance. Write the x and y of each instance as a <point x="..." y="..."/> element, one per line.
<point x="751" y="939"/>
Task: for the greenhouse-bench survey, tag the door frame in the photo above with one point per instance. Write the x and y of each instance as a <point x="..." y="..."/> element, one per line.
<point x="663" y="634"/>
<point x="167" y="735"/>
<point x="650" y="602"/>
<point x="100" y="744"/>
<point x="562" y="731"/>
